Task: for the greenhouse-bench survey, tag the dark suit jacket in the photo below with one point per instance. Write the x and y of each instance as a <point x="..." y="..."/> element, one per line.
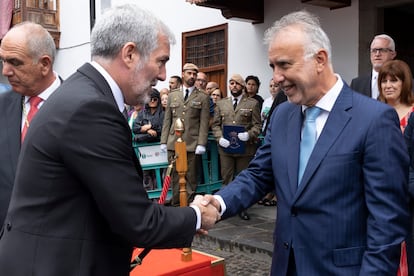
<point x="362" y="85"/>
<point x="78" y="205"/>
<point x="350" y="212"/>
<point x="10" y="125"/>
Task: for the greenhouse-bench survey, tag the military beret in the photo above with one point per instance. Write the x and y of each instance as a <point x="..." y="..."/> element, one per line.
<point x="190" y="66"/>
<point x="239" y="79"/>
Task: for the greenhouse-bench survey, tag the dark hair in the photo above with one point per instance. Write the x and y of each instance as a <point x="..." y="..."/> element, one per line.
<point x="397" y="69"/>
<point x="256" y="79"/>
<point x="154" y="94"/>
<point x="178" y="78"/>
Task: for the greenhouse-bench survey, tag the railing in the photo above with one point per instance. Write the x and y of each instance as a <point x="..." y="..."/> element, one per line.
<point x="152" y="158"/>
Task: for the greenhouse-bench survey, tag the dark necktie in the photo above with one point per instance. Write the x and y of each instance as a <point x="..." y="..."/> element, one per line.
<point x="186" y="94"/>
<point x="125" y="113"/>
<point x="308" y="138"/>
<point x="235" y="103"/>
<point x="34" y="102"/>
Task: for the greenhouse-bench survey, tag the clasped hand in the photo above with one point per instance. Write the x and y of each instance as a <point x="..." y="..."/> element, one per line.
<point x="210" y="211"/>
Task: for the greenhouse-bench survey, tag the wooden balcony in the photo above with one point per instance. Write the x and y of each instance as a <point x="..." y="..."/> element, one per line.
<point x="246" y="10"/>
<point x="43" y="12"/>
<point x="331" y="4"/>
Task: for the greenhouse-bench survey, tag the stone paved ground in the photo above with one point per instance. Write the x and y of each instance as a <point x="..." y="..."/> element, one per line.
<point x="237" y="262"/>
<point x="246" y="246"/>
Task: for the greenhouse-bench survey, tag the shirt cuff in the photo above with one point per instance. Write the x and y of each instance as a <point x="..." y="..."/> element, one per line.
<point x="198" y="214"/>
<point x="222" y="204"/>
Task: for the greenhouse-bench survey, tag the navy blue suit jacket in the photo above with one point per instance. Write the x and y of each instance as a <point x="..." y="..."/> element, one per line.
<point x="350" y="212"/>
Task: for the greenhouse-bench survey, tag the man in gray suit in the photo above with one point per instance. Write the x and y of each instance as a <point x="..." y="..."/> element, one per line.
<point x="28" y="52"/>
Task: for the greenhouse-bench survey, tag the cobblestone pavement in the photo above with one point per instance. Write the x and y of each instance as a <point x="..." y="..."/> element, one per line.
<point x="237" y="262"/>
<point x="246" y="246"/>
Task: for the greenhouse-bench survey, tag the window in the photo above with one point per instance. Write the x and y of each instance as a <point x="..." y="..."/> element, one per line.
<point x="207" y="48"/>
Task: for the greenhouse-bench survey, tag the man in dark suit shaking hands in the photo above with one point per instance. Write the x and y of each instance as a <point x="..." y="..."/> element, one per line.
<point x="79" y="206"/>
<point x="343" y="208"/>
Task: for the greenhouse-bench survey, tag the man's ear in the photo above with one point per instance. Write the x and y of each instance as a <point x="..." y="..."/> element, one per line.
<point x="46" y="63"/>
<point x="321" y="58"/>
<point x="130" y="54"/>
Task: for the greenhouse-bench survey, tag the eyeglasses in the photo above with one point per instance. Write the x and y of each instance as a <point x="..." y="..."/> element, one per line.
<point x="215" y="95"/>
<point x="380" y="50"/>
<point x="154" y="100"/>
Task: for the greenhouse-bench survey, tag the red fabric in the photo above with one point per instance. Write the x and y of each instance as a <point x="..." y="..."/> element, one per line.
<point x="34" y="102"/>
<point x="168" y="262"/>
<point x="165" y="188"/>
<point x="6" y="12"/>
<point x="404" y="120"/>
<point x="403" y="269"/>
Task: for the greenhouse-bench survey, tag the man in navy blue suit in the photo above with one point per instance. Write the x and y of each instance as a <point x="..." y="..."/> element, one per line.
<point x="348" y="215"/>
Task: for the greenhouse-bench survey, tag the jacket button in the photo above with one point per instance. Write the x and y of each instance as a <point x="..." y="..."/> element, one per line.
<point x="286" y="245"/>
<point x="8" y="226"/>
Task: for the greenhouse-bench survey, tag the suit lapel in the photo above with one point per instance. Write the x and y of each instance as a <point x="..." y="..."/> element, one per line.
<point x="294" y="126"/>
<point x="337" y="120"/>
<point x="13" y="114"/>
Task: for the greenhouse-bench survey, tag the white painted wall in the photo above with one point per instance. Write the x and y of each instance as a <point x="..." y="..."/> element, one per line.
<point x="247" y="53"/>
<point x="74" y="45"/>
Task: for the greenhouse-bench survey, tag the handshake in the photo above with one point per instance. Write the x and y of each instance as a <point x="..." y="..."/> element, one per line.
<point x="210" y="208"/>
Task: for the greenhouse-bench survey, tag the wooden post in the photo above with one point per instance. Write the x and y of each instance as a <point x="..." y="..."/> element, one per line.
<point x="181" y="168"/>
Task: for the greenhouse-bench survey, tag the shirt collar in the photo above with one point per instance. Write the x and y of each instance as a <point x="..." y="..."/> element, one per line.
<point x="116" y="91"/>
<point x="190" y="89"/>
<point x="238" y="98"/>
<point x="328" y="100"/>
<point x="44" y="95"/>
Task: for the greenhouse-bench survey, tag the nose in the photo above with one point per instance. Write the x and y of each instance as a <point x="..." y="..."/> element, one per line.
<point x="162" y="74"/>
<point x="7" y="69"/>
<point x="278" y="77"/>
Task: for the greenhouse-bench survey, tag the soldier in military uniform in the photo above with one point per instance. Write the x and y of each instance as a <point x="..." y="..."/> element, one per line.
<point x="242" y="112"/>
<point x="191" y="105"/>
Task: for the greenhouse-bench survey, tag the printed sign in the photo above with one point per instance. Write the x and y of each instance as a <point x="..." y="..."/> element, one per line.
<point x="152" y="155"/>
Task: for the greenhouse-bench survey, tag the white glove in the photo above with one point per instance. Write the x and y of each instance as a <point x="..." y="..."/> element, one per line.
<point x="163" y="147"/>
<point x="224" y="142"/>
<point x="243" y="136"/>
<point x="200" y="149"/>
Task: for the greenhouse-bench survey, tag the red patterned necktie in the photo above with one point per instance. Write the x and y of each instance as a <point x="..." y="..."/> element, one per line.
<point x="34" y="102"/>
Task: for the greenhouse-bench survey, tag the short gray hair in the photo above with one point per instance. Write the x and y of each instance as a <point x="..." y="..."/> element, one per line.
<point x="391" y="43"/>
<point x="312" y="30"/>
<point x="39" y="42"/>
<point x="127" y="23"/>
